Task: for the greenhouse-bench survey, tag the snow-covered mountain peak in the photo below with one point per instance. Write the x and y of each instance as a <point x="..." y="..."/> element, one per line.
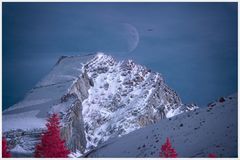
<point x="97" y="98"/>
<point x="125" y="96"/>
<point x="101" y="55"/>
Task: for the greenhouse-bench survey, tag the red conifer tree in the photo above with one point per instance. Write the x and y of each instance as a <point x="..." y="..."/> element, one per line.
<point x="211" y="155"/>
<point x="167" y="151"/>
<point x="5" y="152"/>
<point x="51" y="145"/>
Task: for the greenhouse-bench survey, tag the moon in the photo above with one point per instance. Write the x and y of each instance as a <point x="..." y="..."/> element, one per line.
<point x="132" y="36"/>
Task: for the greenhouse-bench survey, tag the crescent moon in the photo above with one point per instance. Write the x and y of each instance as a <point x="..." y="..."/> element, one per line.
<point x="132" y="36"/>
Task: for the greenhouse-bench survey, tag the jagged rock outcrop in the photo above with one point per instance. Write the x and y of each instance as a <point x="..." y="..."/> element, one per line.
<point x="96" y="97"/>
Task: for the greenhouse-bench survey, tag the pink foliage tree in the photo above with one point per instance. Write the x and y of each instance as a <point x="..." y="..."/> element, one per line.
<point x="211" y="155"/>
<point x="167" y="151"/>
<point x="5" y="152"/>
<point x="51" y="144"/>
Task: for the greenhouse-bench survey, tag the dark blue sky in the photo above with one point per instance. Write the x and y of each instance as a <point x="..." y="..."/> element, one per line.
<point x="193" y="45"/>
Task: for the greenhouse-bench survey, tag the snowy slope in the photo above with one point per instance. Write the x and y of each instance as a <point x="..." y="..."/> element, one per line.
<point x="196" y="133"/>
<point x="32" y="111"/>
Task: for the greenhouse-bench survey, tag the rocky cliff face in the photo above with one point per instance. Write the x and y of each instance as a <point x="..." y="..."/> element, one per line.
<point x="72" y="119"/>
<point x="96" y="97"/>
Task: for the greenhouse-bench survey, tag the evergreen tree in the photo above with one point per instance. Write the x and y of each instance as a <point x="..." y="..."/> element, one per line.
<point x="167" y="151"/>
<point x="51" y="144"/>
<point x="211" y="155"/>
<point x="5" y="152"/>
